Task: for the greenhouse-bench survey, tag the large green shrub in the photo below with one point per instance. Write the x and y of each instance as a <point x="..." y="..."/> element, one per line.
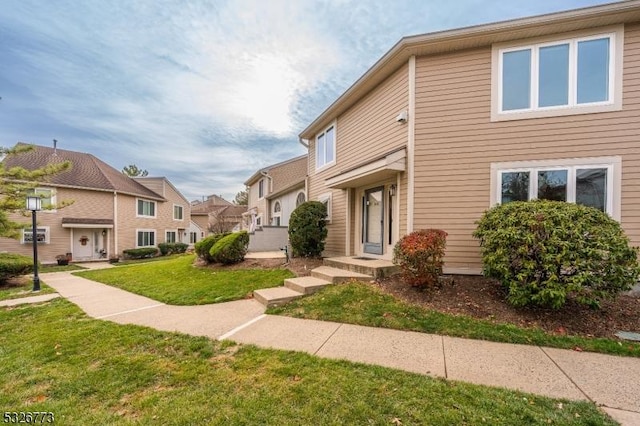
<point x="13" y="265"/>
<point x="140" y="253"/>
<point x="203" y="247"/>
<point x="308" y="229"/>
<point x="544" y="252"/>
<point x="420" y="256"/>
<point x="172" y="248"/>
<point x="231" y="248"/>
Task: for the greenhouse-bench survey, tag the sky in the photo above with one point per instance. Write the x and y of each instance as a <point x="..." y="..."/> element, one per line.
<point x="204" y="93"/>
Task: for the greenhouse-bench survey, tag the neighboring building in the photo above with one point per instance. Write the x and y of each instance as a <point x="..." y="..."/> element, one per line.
<point x="217" y="215"/>
<point x="274" y="192"/>
<point x="448" y="124"/>
<point x="111" y="212"/>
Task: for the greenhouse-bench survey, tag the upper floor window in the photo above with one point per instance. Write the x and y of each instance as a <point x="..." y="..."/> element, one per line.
<point x="326" y="147"/>
<point x="178" y="212"/>
<point x="47" y="197"/>
<point x="558" y="77"/>
<point x="261" y="188"/>
<point x="146" y="208"/>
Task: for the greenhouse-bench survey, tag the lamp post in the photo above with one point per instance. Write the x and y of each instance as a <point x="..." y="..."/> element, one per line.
<point x="34" y="204"/>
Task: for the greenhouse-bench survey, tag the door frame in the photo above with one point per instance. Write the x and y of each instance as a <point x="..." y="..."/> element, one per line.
<point x="367" y="246"/>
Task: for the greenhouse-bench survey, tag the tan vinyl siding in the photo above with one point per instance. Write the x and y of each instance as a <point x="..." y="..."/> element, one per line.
<point x="365" y="132"/>
<point x="456" y="143"/>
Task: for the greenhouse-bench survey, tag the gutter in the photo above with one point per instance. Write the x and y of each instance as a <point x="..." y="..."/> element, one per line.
<point x="304" y="142"/>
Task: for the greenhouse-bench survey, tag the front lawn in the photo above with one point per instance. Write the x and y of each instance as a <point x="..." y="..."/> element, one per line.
<point x="177" y="281"/>
<point x="84" y="371"/>
<point x="365" y="304"/>
<point x="19" y="287"/>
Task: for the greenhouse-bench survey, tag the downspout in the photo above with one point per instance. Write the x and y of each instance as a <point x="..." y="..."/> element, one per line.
<point x="304" y="142"/>
<point x="267" y="219"/>
<point x="115" y="222"/>
<point x="411" y="144"/>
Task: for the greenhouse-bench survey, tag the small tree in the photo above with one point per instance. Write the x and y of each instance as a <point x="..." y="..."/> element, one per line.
<point x="230" y="248"/>
<point x="420" y="256"/>
<point x="544" y="252"/>
<point x="134" y="171"/>
<point x="242" y="198"/>
<point x="308" y="229"/>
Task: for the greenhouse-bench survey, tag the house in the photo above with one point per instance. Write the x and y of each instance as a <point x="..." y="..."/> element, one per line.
<point x="273" y="193"/>
<point x="446" y="125"/>
<point x="111" y="212"/>
<point x="217" y="215"/>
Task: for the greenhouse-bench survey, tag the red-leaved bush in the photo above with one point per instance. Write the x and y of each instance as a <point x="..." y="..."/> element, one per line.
<point x="420" y="256"/>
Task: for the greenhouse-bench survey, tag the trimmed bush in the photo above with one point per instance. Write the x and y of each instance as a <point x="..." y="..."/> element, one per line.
<point x="420" y="256"/>
<point x="140" y="253"/>
<point x="545" y="252"/>
<point x="172" y="248"/>
<point x="308" y="229"/>
<point x="203" y="247"/>
<point x="231" y="248"/>
<point x="14" y="265"/>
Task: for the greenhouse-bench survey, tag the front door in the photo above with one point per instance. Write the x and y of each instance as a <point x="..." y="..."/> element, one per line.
<point x="83" y="244"/>
<point x="373" y="220"/>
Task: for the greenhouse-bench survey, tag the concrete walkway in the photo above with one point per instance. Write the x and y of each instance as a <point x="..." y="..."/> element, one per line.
<point x="610" y="381"/>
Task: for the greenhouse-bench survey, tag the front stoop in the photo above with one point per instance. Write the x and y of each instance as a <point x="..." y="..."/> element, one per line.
<point x="376" y="268"/>
<point x="336" y="276"/>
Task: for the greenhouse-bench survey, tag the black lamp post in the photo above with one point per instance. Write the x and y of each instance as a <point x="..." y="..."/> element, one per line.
<point x="34" y="204"/>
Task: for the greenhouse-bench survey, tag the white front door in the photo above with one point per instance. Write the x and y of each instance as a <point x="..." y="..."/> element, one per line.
<point x="83" y="244"/>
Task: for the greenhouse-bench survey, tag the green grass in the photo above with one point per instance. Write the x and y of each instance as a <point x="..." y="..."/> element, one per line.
<point x="363" y="304"/>
<point x="60" y="268"/>
<point x="22" y="288"/>
<point x="177" y="281"/>
<point x="85" y="371"/>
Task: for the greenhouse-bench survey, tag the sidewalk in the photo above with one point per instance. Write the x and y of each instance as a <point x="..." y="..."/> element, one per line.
<point x="610" y="381"/>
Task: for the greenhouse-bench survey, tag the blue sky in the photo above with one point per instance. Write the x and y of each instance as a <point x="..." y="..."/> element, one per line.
<point x="202" y="92"/>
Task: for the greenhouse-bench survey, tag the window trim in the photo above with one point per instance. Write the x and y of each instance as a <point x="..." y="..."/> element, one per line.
<point x="614" y="181"/>
<point x="181" y="212"/>
<point x="175" y="231"/>
<point x="155" y="237"/>
<point x="261" y="191"/>
<point x="616" y="66"/>
<point x="155" y="208"/>
<point x="298" y="195"/>
<point x="47" y="235"/>
<point x="328" y="198"/>
<point x="331" y="163"/>
<point x="53" y="197"/>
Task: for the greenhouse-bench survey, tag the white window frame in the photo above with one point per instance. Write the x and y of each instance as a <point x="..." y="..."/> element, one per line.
<point x="52" y="196"/>
<point x="193" y="237"/>
<point x="614" y="103"/>
<point x="261" y="189"/>
<point x="259" y="220"/>
<point x="326" y="164"/>
<point x="47" y="235"/>
<point x="612" y="164"/>
<point x="155" y="237"/>
<point x="181" y="218"/>
<point x="327" y="197"/>
<point x="155" y="208"/>
<point x="166" y="235"/>
<point x="298" y="195"/>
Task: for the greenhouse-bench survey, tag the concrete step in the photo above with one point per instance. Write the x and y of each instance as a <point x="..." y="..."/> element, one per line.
<point x="377" y="268"/>
<point x="306" y="285"/>
<point x="335" y="275"/>
<point x="275" y="296"/>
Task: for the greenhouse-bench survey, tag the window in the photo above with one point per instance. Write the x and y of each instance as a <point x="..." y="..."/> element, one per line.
<point x="146" y="208"/>
<point x="261" y="188"/>
<point x="301" y="198"/>
<point x="171" y="237"/>
<point x="277" y="213"/>
<point x="259" y="220"/>
<point x="326" y="200"/>
<point x="178" y="212"/>
<point x="193" y="237"/>
<point x="276" y="207"/>
<point x="42" y="235"/>
<point x="592" y="182"/>
<point x="47" y="197"/>
<point x="326" y="147"/>
<point x="146" y="238"/>
<point x="558" y="77"/>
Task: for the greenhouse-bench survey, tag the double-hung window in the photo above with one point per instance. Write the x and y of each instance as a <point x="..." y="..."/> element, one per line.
<point x="590" y="182"/>
<point x="146" y="208"/>
<point x="47" y="197"/>
<point x="558" y="76"/>
<point x="146" y="238"/>
<point x="178" y="212"/>
<point x="171" y="237"/>
<point x="326" y="147"/>
<point x="261" y="189"/>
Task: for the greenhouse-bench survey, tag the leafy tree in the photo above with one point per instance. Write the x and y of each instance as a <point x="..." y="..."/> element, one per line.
<point x="16" y="183"/>
<point x="242" y="198"/>
<point x="134" y="171"/>
<point x="308" y="229"/>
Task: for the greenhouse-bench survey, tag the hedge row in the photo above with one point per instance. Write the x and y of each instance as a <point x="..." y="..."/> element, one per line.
<point x="13" y="265"/>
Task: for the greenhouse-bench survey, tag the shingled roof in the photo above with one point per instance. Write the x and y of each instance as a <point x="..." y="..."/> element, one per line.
<point x="87" y="171"/>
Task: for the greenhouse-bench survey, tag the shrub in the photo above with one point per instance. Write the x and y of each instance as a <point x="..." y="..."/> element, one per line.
<point x="13" y="265"/>
<point x="231" y="248"/>
<point x="203" y="247"/>
<point x="544" y="252"/>
<point x="140" y="253"/>
<point x="420" y="256"/>
<point x="308" y="229"/>
<point x="172" y="248"/>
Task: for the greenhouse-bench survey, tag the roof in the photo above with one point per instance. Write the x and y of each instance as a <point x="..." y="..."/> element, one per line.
<point x="87" y="171"/>
<point x="473" y="37"/>
<point x="212" y="203"/>
<point x="296" y="168"/>
<point x="219" y="210"/>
